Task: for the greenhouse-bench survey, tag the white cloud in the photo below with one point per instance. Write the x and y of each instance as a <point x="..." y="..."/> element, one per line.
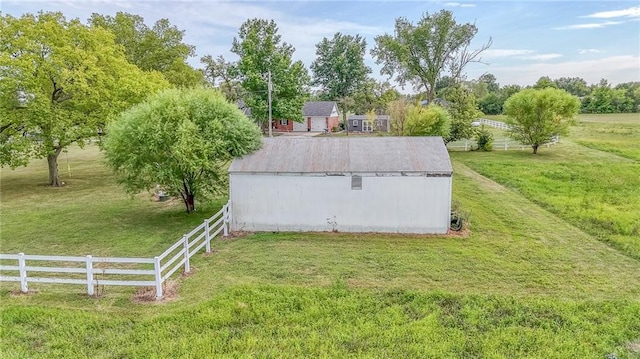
<point x="589" y="51"/>
<point x="616" y="69"/>
<point x="593" y="25"/>
<point x="629" y="12"/>
<point x="457" y="4"/>
<point x="493" y="53"/>
<point x="542" y="57"/>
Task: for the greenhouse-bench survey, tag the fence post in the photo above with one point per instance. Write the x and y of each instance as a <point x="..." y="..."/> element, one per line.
<point x="187" y="265"/>
<point x="506" y="145"/>
<point x="156" y="267"/>
<point x="207" y="236"/>
<point x="89" y="275"/>
<point x="23" y="273"/>
<point x="466" y="145"/>
<point x="225" y="221"/>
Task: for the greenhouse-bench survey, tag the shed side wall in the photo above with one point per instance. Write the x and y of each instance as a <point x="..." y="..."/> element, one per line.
<point x="263" y="202"/>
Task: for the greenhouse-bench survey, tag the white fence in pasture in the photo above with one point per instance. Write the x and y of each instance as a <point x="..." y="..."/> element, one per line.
<point x="500" y="144"/>
<point x="103" y="271"/>
<point x="496" y="124"/>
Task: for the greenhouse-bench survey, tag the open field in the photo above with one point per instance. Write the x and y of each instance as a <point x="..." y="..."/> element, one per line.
<point x="618" y="134"/>
<point x="523" y="283"/>
<point x="594" y="188"/>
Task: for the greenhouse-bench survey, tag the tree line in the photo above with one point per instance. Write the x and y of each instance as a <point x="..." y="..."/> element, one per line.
<point x="64" y="82"/>
<point x="594" y="98"/>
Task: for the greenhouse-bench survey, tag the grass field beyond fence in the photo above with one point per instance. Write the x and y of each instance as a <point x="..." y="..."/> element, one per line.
<point x="529" y="279"/>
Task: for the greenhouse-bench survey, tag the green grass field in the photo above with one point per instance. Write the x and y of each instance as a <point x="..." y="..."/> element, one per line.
<point x="581" y="179"/>
<point x="530" y="279"/>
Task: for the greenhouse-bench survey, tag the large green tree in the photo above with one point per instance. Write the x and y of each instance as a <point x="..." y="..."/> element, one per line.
<point x="160" y="47"/>
<point x="61" y="82"/>
<point x="259" y="47"/>
<point x="180" y="139"/>
<point x="576" y="86"/>
<point x="373" y="95"/>
<point x="536" y="115"/>
<point x="223" y="75"/>
<point x="339" y="69"/>
<point x="462" y="106"/>
<point x="421" y="53"/>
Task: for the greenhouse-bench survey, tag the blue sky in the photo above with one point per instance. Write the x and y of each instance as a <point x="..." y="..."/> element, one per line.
<point x="588" y="39"/>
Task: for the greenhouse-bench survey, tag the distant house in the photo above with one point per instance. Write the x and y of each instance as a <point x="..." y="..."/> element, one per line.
<point x="318" y="116"/>
<point x="345" y="184"/>
<point x="360" y="123"/>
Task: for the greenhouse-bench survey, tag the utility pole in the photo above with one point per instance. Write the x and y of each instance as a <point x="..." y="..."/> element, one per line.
<point x="269" y="87"/>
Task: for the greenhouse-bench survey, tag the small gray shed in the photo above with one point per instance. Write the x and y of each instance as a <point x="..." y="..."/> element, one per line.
<point x="365" y="184"/>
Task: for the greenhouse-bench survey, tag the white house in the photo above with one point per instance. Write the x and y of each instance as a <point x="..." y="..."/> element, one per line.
<point x="365" y="184"/>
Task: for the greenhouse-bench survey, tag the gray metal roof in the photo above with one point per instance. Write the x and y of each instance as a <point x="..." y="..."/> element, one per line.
<point x="344" y="155"/>
<point x="318" y="108"/>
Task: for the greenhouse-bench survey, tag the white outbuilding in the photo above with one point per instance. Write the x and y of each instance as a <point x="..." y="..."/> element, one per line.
<point x="346" y="184"/>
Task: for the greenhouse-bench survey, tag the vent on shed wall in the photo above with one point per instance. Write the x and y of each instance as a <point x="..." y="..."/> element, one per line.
<point x="356" y="182"/>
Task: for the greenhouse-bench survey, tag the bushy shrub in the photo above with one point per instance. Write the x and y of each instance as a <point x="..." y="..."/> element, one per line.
<point x="484" y="139"/>
<point x="432" y="120"/>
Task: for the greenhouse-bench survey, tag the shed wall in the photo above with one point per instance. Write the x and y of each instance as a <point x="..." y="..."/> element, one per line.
<point x="398" y="204"/>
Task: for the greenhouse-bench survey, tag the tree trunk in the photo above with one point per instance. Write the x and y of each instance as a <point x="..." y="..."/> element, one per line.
<point x="189" y="202"/>
<point x="188" y="197"/>
<point x="535" y="148"/>
<point x="52" y="160"/>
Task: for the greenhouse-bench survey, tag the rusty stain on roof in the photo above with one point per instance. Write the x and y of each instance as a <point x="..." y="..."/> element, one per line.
<point x="346" y="155"/>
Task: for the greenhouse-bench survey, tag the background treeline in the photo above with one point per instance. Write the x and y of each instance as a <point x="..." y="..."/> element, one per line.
<point x="594" y="98"/>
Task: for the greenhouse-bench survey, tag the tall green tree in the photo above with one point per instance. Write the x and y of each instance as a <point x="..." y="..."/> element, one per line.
<point x="261" y="51"/>
<point x="61" y="83"/>
<point x="223" y="75"/>
<point x="157" y="48"/>
<point x="536" y="115"/>
<point x="491" y="104"/>
<point x="490" y="80"/>
<point x="339" y="68"/>
<point x="545" y="82"/>
<point x="397" y="111"/>
<point x="374" y="95"/>
<point x="576" y="86"/>
<point x="461" y="104"/>
<point x="419" y="54"/>
<point x="180" y="139"/>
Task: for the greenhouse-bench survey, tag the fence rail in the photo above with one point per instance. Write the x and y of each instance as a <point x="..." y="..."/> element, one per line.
<point x="493" y="123"/>
<point x="101" y="271"/>
<point x="501" y="144"/>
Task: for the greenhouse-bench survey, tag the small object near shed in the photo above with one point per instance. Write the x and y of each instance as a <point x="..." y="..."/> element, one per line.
<point x="346" y="184"/>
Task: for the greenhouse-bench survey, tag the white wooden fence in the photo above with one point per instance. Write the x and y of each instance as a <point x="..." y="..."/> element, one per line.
<point x="496" y="124"/>
<point x="499" y="144"/>
<point x="102" y="271"/>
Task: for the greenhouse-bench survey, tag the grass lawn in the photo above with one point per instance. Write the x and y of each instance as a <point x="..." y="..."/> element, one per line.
<point x="595" y="189"/>
<point x="618" y="133"/>
<point x="523" y="283"/>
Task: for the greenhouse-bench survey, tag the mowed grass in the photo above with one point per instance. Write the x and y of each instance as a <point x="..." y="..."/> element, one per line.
<point x="522" y="283"/>
<point x="89" y="215"/>
<point x="593" y="187"/>
<point x="617" y="133"/>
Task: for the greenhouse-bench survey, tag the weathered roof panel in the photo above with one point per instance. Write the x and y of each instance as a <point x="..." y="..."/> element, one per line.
<point x="318" y="108"/>
<point x="340" y="155"/>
